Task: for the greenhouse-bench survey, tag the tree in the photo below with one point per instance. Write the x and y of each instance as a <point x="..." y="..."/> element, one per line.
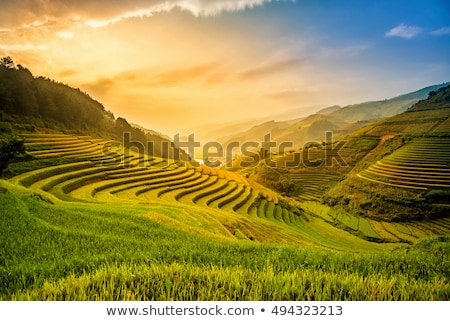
<point x="7" y="62"/>
<point x="10" y="149"/>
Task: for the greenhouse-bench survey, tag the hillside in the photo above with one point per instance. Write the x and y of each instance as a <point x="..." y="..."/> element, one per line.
<point x="382" y="108"/>
<point x="408" y="169"/>
<point x="76" y="251"/>
<point x="438" y="98"/>
<point x="310" y="129"/>
<point x="352" y="115"/>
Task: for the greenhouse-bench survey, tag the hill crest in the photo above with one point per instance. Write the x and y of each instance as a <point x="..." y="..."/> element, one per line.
<point x="382" y="108"/>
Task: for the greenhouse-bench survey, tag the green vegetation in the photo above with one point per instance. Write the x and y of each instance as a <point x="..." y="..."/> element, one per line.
<point x="313" y="183"/>
<point x="408" y="169"/>
<point x="10" y="150"/>
<point x="438" y="98"/>
<point x="276" y="179"/>
<point x="126" y="180"/>
<point x="64" y="243"/>
<point x="23" y="95"/>
<point x="204" y="242"/>
<point x="87" y="252"/>
<point x="422" y="164"/>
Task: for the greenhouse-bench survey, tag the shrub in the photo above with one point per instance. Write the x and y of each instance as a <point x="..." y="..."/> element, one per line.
<point x="10" y="149"/>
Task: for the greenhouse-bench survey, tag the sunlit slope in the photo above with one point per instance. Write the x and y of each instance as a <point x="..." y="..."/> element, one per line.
<point x="407" y="175"/>
<point x="207" y="200"/>
<point x="86" y="251"/>
<point x="421" y="164"/>
<point x="211" y="202"/>
<point x="79" y="230"/>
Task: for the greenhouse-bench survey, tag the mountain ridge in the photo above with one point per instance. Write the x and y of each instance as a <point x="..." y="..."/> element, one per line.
<point x="340" y="120"/>
<point x="383" y="108"/>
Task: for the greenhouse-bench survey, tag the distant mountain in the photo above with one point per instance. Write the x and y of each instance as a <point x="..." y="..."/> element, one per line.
<point x="297" y="131"/>
<point x="212" y="131"/>
<point x="311" y="128"/>
<point x="340" y="120"/>
<point x="329" y="110"/>
<point x="257" y="133"/>
<point x="422" y="118"/>
<point x="379" y="109"/>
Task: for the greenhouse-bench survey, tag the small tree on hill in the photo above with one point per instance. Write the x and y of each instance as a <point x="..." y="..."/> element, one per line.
<point x="7" y="62"/>
<point x="10" y="149"/>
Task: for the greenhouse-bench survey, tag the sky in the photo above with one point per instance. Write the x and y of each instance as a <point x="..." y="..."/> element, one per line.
<point x="176" y="65"/>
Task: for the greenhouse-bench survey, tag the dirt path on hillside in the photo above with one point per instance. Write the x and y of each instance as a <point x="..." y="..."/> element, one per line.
<point x="384" y="138"/>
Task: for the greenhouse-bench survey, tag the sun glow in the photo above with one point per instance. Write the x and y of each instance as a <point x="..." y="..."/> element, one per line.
<point x="161" y="63"/>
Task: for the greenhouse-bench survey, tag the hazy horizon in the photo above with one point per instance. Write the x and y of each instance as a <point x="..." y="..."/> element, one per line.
<point x="173" y="66"/>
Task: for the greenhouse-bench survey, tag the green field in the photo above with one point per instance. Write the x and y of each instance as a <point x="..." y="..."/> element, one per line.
<point x="83" y="223"/>
<point x="420" y="164"/>
<point x="75" y="251"/>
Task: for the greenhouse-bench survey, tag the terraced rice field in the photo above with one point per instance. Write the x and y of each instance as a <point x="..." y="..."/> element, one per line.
<point x="210" y="201"/>
<point x="46" y="145"/>
<point x="315" y="157"/>
<point x="443" y="127"/>
<point x="93" y="221"/>
<point x="422" y="164"/>
<point x="378" y="231"/>
<point x="314" y="183"/>
<point x="101" y="171"/>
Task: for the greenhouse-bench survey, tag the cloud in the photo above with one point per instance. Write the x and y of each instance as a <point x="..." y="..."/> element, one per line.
<point x="23" y="47"/>
<point x="195" y="7"/>
<point x="65" y="34"/>
<point x="441" y="32"/>
<point x="100" y="87"/>
<point x="268" y="69"/>
<point x="102" y="13"/>
<point x="404" y="31"/>
<point x="286" y="94"/>
<point x="147" y="78"/>
<point x="67" y="73"/>
<point x="184" y="75"/>
<point x="124" y="79"/>
<point x="344" y="52"/>
<point x="94" y="23"/>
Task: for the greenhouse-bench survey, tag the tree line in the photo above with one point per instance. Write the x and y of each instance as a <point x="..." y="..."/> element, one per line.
<point x="22" y="94"/>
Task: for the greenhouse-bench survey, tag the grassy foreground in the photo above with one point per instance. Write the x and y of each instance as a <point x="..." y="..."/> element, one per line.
<point x="74" y="251"/>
